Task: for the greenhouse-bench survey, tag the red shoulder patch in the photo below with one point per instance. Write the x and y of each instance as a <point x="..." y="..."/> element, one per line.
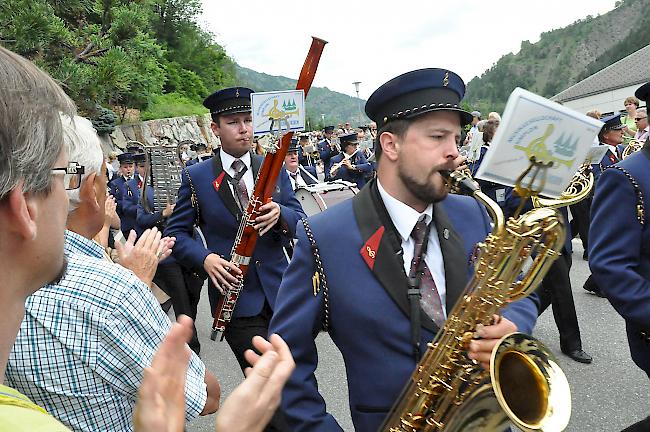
<point x="369" y="250"/>
<point x="218" y="180"/>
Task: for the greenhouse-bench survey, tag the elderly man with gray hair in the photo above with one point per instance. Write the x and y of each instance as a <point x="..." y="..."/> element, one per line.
<point x="95" y="331"/>
<point x="35" y="173"/>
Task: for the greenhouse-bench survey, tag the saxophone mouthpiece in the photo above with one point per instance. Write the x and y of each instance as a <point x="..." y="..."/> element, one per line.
<point x="461" y="180"/>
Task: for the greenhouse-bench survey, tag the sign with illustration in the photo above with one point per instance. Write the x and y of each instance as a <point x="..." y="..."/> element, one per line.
<point x="278" y="111"/>
<point x="535" y="128"/>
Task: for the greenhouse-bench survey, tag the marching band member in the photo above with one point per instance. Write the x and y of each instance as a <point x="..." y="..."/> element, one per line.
<point x="180" y="284"/>
<point x="221" y="189"/>
<point x="297" y="176"/>
<point x="202" y="153"/>
<point x="619" y="248"/>
<point x="611" y="135"/>
<point x="305" y="155"/>
<point x="131" y="198"/>
<point x="327" y="149"/>
<point x="374" y="237"/>
<point x="351" y="165"/>
<point x="118" y="189"/>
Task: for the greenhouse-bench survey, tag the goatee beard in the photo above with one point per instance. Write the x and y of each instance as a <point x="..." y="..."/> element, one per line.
<point x="424" y="192"/>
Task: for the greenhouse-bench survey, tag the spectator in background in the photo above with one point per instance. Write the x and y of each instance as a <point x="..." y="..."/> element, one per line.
<point x="112" y="165"/>
<point x="494" y="116"/>
<point x="476" y="117"/>
<point x="631" y="105"/>
<point x="594" y="113"/>
<point x="642" y="128"/>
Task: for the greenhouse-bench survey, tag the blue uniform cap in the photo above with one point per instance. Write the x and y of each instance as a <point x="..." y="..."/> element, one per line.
<point x="415" y="93"/>
<point x="134" y="149"/>
<point x="328" y="129"/>
<point x="125" y="158"/>
<point x="198" y="146"/>
<point x="612" y="122"/>
<point x="139" y="158"/>
<point x="229" y="101"/>
<point x="643" y="92"/>
<point x="348" y="139"/>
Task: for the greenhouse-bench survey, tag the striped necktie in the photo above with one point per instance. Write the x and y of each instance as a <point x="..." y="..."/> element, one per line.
<point x="430" y="299"/>
<point x="241" y="192"/>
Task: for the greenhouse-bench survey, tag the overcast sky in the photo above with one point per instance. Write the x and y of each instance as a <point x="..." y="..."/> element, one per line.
<point x="375" y="41"/>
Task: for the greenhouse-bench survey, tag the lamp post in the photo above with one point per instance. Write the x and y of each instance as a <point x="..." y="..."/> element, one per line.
<point x="356" y="87"/>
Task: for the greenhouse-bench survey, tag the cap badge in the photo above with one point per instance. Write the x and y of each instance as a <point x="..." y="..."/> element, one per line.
<point x="445" y="80"/>
<point x="237" y="93"/>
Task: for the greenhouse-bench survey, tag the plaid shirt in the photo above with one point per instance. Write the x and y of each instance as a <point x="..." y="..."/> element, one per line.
<point x="83" y="344"/>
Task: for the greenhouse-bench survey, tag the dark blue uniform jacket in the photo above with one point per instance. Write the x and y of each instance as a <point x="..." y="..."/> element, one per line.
<point x="368" y="305"/>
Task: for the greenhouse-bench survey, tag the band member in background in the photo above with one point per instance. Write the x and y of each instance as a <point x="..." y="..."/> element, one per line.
<point x="221" y="189"/>
<point x="351" y="165"/>
<point x="327" y="149"/>
<point x="367" y="148"/>
<point x="374" y="237"/>
<point x="611" y="135"/>
<point x="180" y="284"/>
<point x="619" y="248"/>
<point x="202" y="153"/>
<point x="131" y="198"/>
<point x="306" y="153"/>
<point x="118" y="187"/>
<point x="373" y="130"/>
<point x="297" y="176"/>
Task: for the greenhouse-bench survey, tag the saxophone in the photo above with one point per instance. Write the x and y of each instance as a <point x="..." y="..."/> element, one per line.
<point x="525" y="386"/>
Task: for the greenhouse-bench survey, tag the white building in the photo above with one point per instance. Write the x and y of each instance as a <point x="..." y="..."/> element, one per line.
<point x="607" y="89"/>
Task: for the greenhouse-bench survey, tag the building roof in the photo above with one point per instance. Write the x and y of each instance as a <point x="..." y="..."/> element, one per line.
<point x="631" y="70"/>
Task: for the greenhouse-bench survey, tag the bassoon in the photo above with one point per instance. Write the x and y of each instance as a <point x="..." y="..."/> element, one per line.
<point x="244" y="245"/>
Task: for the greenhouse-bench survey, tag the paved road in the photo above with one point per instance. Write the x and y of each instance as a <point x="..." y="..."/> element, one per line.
<point x="607" y="395"/>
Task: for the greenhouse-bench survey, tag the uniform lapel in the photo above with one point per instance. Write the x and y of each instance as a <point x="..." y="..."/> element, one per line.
<point x="454" y="258"/>
<point x="382" y="249"/>
<point x="223" y="189"/>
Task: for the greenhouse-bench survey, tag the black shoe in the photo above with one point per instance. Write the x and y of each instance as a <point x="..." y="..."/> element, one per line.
<point x="594" y="291"/>
<point x="642" y="426"/>
<point x="579" y="356"/>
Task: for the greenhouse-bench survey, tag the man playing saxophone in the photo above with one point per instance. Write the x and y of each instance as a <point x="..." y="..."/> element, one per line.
<point x="405" y="246"/>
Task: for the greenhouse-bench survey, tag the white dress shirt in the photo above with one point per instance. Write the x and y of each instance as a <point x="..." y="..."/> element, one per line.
<point x="404" y="218"/>
<point x="226" y="163"/>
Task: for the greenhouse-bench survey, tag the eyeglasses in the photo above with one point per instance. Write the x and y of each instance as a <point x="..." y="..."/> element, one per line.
<point x="640" y="118"/>
<point x="71" y="175"/>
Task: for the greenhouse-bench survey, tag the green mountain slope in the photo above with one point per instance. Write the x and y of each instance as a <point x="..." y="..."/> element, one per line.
<point x="564" y="56"/>
<point x="323" y="106"/>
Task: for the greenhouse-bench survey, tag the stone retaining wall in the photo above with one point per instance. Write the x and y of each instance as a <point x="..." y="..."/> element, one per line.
<point x="169" y="131"/>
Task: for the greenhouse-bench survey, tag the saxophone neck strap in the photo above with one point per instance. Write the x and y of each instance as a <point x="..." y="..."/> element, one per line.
<point x="414" y="294"/>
